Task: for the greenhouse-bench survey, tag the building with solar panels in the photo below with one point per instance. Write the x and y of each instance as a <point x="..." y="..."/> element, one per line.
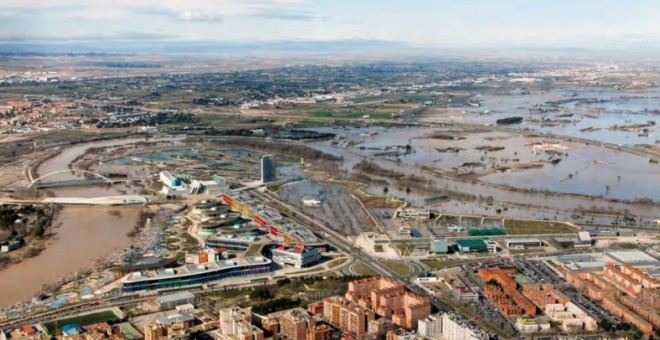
<point x="268" y="169"/>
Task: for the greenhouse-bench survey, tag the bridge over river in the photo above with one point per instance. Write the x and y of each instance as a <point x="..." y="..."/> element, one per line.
<point x="103" y="200"/>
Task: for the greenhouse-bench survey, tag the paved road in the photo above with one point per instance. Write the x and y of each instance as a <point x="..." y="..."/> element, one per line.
<point x="342" y="243"/>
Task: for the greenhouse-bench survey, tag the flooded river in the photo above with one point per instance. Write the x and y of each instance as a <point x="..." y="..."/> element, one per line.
<point x="85" y="234"/>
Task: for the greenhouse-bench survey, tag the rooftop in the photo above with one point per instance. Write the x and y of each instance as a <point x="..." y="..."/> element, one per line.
<point x="195" y="268"/>
<point x="633" y="257"/>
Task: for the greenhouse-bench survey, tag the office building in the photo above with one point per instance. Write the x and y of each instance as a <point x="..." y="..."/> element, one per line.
<point x="268" y="169"/>
<point x="169" y="180"/>
<point x="298" y="256"/>
<point x="189" y="275"/>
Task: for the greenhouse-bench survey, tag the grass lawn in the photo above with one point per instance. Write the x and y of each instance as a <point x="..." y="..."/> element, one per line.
<point x="398" y="267"/>
<point x="336" y="262"/>
<point x="362" y="269"/>
<point x="82" y="320"/>
<point x="628" y="245"/>
<point x="188" y="240"/>
<point x="525" y="227"/>
<point x="442" y="264"/>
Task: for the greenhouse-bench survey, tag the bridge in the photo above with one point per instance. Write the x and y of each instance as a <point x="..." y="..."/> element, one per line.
<point x="101" y="179"/>
<point x="103" y="200"/>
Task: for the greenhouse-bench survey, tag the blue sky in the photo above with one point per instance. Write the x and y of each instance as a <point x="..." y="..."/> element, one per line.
<point x="458" y="23"/>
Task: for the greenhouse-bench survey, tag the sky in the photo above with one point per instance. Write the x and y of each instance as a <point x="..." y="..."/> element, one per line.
<point x="428" y="23"/>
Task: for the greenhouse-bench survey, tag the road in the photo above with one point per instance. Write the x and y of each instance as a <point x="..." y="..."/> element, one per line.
<point x="342" y="243"/>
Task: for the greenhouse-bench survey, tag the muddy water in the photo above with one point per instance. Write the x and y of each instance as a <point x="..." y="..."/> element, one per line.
<point x="85" y="234"/>
<point x="561" y="202"/>
<point x="62" y="160"/>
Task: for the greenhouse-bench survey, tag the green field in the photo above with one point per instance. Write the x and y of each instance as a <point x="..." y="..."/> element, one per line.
<point x="362" y="269"/>
<point x="437" y="264"/>
<point x="398" y="267"/>
<point x="525" y="227"/>
<point x="81" y="320"/>
<point x="349" y="114"/>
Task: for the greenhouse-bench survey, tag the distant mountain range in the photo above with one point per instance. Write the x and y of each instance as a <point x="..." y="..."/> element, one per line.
<point x="202" y="47"/>
<point x="335" y="47"/>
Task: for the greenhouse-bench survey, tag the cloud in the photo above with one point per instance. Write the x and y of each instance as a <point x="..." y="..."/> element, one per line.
<point x="87" y="37"/>
<point x="188" y="10"/>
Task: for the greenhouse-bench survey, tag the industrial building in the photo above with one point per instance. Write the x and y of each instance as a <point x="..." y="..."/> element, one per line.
<point x="298" y="256"/>
<point x="523" y="243"/>
<point x="171" y="301"/>
<point x="438" y="246"/>
<point x="476" y="245"/>
<point x="268" y="169"/>
<point x="414" y="213"/>
<point x="634" y="257"/>
<point x="190" y="275"/>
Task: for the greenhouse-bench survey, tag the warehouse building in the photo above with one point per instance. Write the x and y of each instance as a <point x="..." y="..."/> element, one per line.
<point x="523" y="243"/>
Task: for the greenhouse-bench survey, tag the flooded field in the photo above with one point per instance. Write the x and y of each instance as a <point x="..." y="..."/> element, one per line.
<point x="431" y="159"/>
<point x="616" y="117"/>
<point x="336" y="204"/>
<point x="84" y="234"/>
<point x="514" y="160"/>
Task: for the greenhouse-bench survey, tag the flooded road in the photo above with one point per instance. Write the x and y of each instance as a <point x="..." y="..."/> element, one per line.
<point x="85" y="234"/>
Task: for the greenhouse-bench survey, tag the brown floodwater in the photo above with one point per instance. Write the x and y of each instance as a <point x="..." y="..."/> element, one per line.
<point x="85" y="234"/>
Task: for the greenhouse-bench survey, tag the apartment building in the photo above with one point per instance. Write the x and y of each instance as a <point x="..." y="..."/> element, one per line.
<point x="619" y="310"/>
<point x="168" y="326"/>
<point x="291" y="323"/>
<point x="389" y="299"/>
<point x="502" y="290"/>
<point x="629" y="279"/>
<point x="236" y="324"/>
<point x="347" y="315"/>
